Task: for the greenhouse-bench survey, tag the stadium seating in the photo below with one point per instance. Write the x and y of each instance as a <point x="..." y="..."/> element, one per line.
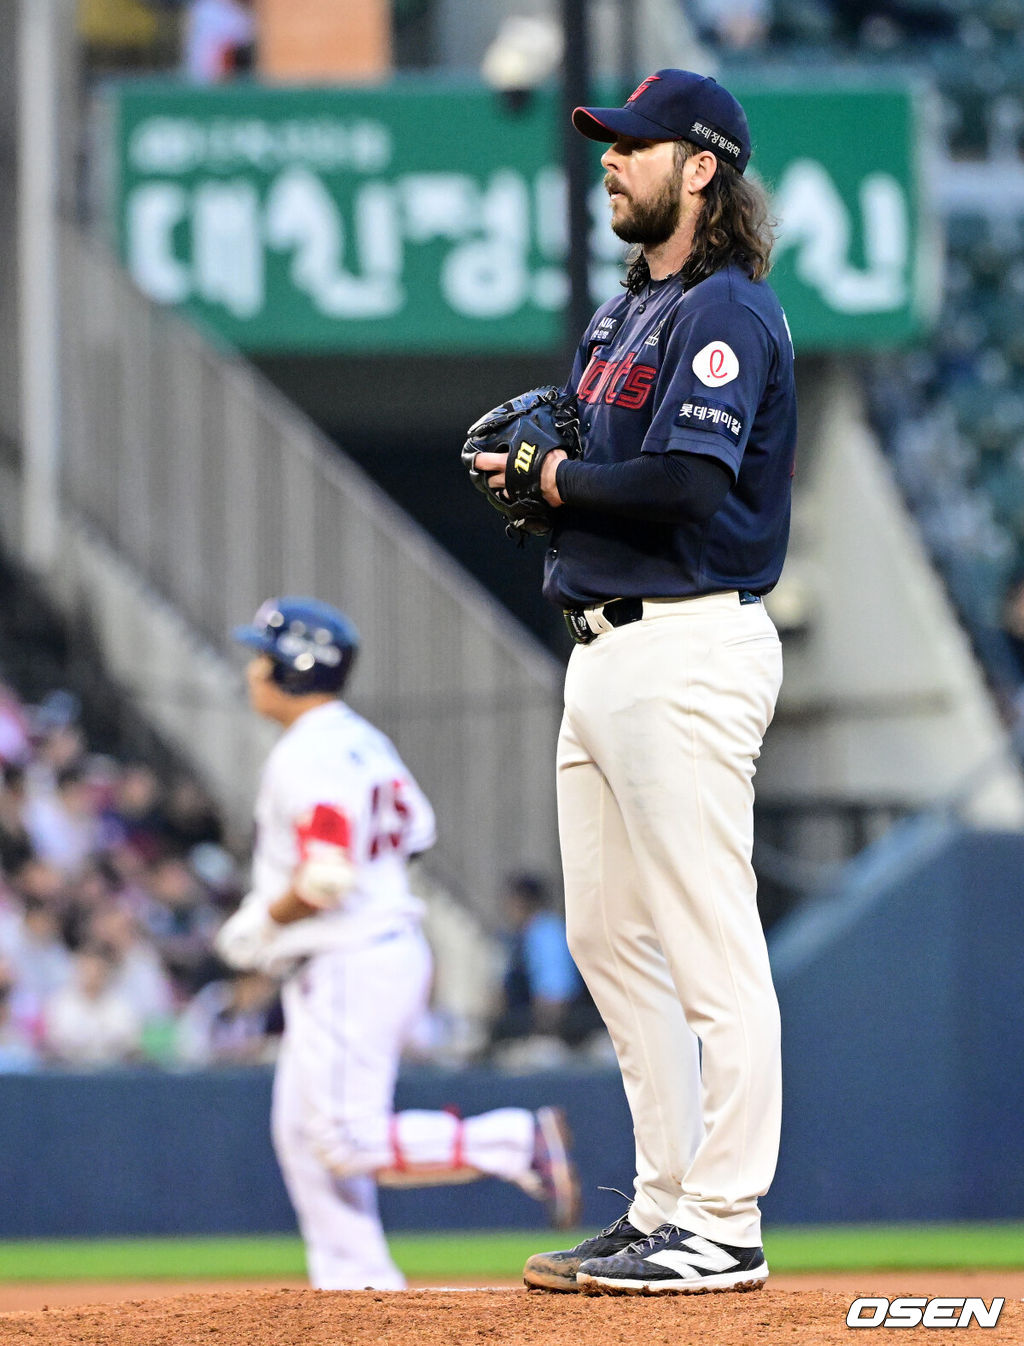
<point x="951" y="411"/>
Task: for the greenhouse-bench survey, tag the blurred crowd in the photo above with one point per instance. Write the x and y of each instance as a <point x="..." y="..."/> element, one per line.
<point x="113" y="883"/>
<point x="114" y="879"/>
<point x="212" y="41"/>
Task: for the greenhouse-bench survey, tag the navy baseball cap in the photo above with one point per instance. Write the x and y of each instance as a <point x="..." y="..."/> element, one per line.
<point x="675" y="105"/>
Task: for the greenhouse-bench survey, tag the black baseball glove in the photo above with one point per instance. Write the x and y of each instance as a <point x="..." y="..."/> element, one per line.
<point x="527" y="428"/>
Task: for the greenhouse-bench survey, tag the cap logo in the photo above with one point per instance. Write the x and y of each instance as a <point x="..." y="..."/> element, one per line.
<point x="641" y="87"/>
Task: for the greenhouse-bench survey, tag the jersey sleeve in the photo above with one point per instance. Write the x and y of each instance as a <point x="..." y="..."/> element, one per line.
<point x="381" y="814"/>
<point x="717" y="364"/>
<point x="318" y="805"/>
<point x="420" y="830"/>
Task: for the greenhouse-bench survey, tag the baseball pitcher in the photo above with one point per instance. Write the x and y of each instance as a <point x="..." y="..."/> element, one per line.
<point x="668" y="503"/>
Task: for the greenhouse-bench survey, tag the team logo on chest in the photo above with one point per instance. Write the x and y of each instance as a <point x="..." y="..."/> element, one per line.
<point x="716" y="365"/>
<point x="620" y="383"/>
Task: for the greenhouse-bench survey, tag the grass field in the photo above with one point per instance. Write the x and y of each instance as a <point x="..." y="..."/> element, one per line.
<point x="483" y="1254"/>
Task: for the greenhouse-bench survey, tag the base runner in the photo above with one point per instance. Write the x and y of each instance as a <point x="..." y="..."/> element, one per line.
<point x="338" y="816"/>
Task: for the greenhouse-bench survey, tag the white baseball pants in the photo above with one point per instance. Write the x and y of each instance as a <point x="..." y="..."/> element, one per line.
<point x="348" y="1014"/>
<point x="663" y="723"/>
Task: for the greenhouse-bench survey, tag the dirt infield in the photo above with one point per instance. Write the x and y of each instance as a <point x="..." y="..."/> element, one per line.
<point x="787" y="1311"/>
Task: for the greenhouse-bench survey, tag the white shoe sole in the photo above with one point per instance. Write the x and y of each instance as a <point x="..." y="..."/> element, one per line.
<point x="734" y="1280"/>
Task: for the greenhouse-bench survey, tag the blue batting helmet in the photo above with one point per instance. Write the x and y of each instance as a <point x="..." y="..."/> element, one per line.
<point x="312" y="645"/>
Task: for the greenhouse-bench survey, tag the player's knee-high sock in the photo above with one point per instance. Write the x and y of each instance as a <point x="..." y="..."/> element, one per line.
<point x="440" y="1147"/>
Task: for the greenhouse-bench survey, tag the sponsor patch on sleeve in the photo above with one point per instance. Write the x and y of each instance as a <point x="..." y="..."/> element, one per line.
<point x="700" y="413"/>
<point x="716" y="364"/>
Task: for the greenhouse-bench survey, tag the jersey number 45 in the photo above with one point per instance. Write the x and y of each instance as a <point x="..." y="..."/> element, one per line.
<point x="389" y="818"/>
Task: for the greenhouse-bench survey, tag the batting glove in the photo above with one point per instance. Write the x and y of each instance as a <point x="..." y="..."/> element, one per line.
<point x="325" y="876"/>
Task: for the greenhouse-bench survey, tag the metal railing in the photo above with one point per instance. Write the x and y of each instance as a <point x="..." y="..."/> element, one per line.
<point x="220" y="493"/>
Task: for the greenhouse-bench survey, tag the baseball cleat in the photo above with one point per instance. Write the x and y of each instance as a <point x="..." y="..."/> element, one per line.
<point x="557" y="1271"/>
<point x="673" y="1261"/>
<point x="551" y="1177"/>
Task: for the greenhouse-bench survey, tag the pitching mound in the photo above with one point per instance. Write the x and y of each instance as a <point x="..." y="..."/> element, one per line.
<point x="452" y="1317"/>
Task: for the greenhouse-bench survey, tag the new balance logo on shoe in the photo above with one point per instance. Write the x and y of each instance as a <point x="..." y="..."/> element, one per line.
<point x="674" y="1261"/>
<point x="696" y="1256"/>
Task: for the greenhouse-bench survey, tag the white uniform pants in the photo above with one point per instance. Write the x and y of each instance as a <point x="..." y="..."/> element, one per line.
<point x="348" y="1014"/>
<point x="663" y="722"/>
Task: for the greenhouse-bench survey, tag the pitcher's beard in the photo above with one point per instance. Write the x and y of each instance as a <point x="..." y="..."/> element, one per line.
<point x="652" y="222"/>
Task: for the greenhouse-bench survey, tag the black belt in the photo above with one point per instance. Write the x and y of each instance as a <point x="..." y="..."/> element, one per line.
<point x="621" y="612"/>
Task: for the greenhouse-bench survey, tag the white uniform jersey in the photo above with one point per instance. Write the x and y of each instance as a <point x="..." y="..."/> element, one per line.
<point x="333" y="757"/>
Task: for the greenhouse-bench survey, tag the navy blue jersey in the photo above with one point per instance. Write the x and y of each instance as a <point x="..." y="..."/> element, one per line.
<point x="707" y="370"/>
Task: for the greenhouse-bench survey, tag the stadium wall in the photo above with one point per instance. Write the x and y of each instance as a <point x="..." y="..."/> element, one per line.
<point x="903" y="1048"/>
<point x="903" y="1041"/>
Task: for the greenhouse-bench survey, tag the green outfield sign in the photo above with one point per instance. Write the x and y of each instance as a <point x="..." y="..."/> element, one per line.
<point x="432" y="217"/>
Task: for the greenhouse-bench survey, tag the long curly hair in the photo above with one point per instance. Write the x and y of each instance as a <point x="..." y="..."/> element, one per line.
<point x="735" y="225"/>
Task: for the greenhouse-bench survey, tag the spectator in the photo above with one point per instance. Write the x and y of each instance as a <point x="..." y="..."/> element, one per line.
<point x="59" y="745"/>
<point x="15" y="747"/>
<point x="138" y="813"/>
<point x="139" y="973"/>
<point x="236" y="1021"/>
<point x="220" y="38"/>
<point x="15" y="844"/>
<point x="59" y="710"/>
<point x="38" y="878"/>
<point x="733" y="24"/>
<point x="97" y="893"/>
<point x="104" y="776"/>
<point x="181" y="919"/>
<point x="541" y="982"/>
<point x="43" y="959"/>
<point x="129" y="870"/>
<point x="88" y="1023"/>
<point x="191" y="818"/>
<point x="63" y="825"/>
<point x="217" y="870"/>
<point x="17" y="1052"/>
<point x="10" y="922"/>
<point x="96" y="888"/>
